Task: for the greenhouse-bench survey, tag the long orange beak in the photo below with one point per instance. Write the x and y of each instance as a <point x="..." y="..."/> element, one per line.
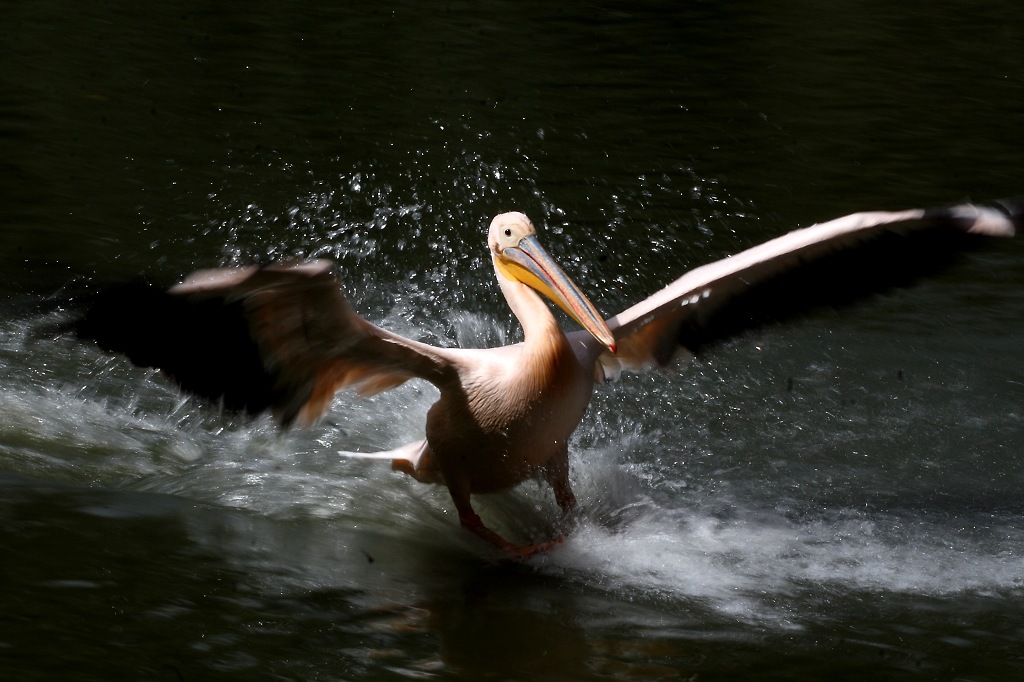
<point x="530" y="264"/>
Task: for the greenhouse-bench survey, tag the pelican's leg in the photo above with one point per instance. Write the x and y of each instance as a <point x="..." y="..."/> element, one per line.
<point x="472" y="522"/>
<point x="556" y="473"/>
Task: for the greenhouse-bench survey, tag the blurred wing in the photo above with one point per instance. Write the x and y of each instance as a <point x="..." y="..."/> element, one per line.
<point x="826" y="264"/>
<point x="281" y="337"/>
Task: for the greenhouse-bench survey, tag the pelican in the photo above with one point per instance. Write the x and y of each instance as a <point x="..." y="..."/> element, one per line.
<point x="283" y="337"/>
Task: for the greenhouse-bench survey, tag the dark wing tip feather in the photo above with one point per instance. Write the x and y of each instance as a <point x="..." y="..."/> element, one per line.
<point x="1002" y="219"/>
<point x="203" y="343"/>
<point x="1013" y="210"/>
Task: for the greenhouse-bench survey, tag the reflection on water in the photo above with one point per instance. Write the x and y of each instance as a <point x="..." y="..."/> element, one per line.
<point x="839" y="497"/>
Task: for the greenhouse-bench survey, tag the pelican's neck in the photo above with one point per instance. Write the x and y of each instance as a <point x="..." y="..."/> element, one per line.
<point x="546" y="362"/>
<point x="539" y="326"/>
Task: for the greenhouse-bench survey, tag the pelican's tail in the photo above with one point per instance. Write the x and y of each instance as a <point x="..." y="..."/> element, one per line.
<point x="412" y="458"/>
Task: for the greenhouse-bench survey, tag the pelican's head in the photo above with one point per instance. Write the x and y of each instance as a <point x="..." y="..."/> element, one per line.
<point x="518" y="255"/>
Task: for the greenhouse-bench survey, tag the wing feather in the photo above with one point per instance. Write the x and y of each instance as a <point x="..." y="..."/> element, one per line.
<point x="281" y="337"/>
<point x="828" y="263"/>
<point x="314" y="344"/>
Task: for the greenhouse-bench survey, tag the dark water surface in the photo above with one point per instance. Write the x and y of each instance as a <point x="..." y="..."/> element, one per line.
<point x="837" y="498"/>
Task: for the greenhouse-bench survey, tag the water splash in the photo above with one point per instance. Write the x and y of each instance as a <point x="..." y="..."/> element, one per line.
<point x="719" y="490"/>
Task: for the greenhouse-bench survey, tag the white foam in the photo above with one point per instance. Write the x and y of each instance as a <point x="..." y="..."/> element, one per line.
<point x="647" y="529"/>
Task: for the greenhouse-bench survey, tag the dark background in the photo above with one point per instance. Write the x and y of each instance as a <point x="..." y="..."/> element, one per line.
<point x="836" y="497"/>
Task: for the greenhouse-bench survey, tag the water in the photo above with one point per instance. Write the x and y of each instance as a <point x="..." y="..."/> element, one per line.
<point x="834" y="498"/>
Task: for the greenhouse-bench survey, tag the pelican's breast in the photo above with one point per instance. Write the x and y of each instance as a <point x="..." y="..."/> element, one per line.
<point x="511" y="413"/>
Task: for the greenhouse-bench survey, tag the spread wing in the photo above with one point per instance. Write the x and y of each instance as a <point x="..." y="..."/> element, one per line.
<point x="829" y="263"/>
<point x="281" y="337"/>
